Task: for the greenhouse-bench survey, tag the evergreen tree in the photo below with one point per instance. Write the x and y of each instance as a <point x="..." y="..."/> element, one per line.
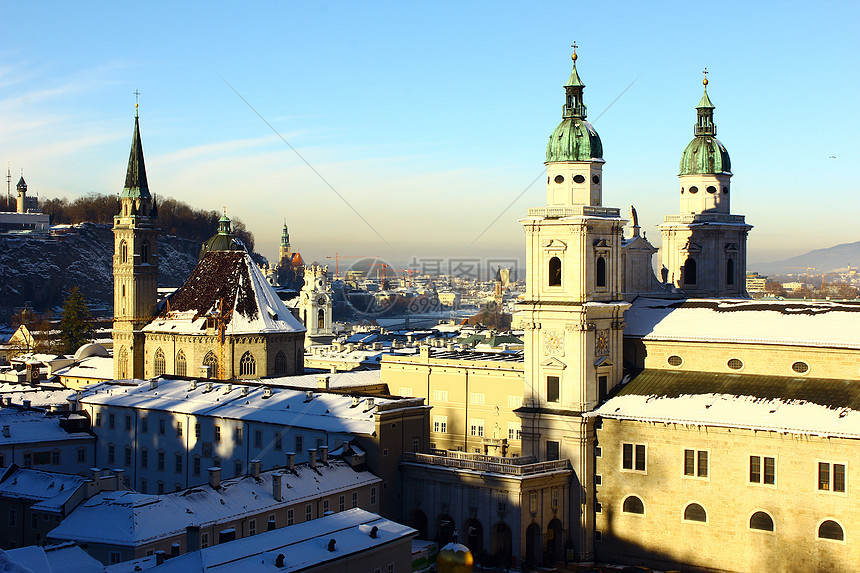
<point x="76" y="324"/>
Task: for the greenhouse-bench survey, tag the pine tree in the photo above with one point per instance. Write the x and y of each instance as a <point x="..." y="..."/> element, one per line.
<point x="76" y="324"/>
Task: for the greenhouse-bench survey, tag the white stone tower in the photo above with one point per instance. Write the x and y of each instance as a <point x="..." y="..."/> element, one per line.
<point x="135" y="264"/>
<point x="705" y="246"/>
<point x="573" y="308"/>
<point x="315" y="305"/>
<point x="21" y="204"/>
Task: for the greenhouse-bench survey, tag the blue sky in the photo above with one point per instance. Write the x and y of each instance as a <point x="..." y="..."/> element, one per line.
<point x="431" y="118"/>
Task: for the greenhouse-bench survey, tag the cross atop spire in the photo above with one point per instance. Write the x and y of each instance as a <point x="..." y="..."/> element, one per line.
<point x="136" y="103"/>
<point x="574" y="46"/>
<point x="705" y="81"/>
<point x="135" y="178"/>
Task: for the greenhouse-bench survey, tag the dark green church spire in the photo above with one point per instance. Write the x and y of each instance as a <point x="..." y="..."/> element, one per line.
<point x="136" y="186"/>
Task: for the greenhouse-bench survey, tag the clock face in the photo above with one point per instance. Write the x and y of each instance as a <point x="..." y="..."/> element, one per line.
<point x="553" y="342"/>
<point x="601" y="343"/>
<point x="321" y="301"/>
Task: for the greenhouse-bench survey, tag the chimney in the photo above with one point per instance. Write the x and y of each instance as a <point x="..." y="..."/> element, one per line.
<point x="279" y="560"/>
<point x="309" y="395"/>
<point x="215" y="477"/>
<point x="451" y="347"/>
<point x="96" y="473"/>
<point x="26" y="404"/>
<point x="208" y="387"/>
<point x="255" y="469"/>
<point x="226" y="535"/>
<point x="331" y="544"/>
<point x="267" y="392"/>
<point x="276" y="487"/>
<point x="323" y="382"/>
<point x="193" y="386"/>
<point x="119" y="474"/>
<point x="271" y="524"/>
<point x="324" y="454"/>
<point x="355" y="401"/>
<point x="228" y="388"/>
<point x="312" y="457"/>
<point x="192" y="538"/>
<point x="370" y="403"/>
<point x="244" y="391"/>
<point x="159" y="557"/>
<point x="153" y="385"/>
<point x="174" y="549"/>
<point x="291" y="461"/>
<point x="424" y="351"/>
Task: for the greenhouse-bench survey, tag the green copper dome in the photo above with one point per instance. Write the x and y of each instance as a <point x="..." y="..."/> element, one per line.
<point x="574" y="139"/>
<point x="705" y="154"/>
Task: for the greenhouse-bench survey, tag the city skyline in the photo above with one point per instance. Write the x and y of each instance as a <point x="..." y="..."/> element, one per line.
<point x="399" y="111"/>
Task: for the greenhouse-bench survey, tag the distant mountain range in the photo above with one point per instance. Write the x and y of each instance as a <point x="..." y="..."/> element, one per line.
<point x="823" y="260"/>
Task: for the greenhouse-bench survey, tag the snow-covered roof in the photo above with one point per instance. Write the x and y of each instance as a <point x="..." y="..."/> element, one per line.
<point x="33" y="426"/>
<point x="302" y="546"/>
<point x="828" y="324"/>
<point x="795" y="405"/>
<point x="337" y="380"/>
<point x="61" y="558"/>
<point x="130" y="519"/>
<point x="49" y="490"/>
<point x="95" y="367"/>
<point x="250" y="304"/>
<point x="286" y="407"/>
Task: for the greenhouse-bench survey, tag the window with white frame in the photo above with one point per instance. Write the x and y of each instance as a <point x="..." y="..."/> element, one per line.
<point x="440" y="395"/>
<point x="440" y="424"/>
<point x="831" y="477"/>
<point x="476" y="427"/>
<point x="696" y="463"/>
<point x="478" y="398"/>
<point x="515" y="431"/>
<point x="633" y="457"/>
<point x="763" y="470"/>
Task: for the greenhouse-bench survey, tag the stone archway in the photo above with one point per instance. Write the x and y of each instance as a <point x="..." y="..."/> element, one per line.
<point x="444" y="529"/>
<point x="502" y="544"/>
<point x="554" y="542"/>
<point x="419" y="523"/>
<point x="473" y="536"/>
<point x="534" y="545"/>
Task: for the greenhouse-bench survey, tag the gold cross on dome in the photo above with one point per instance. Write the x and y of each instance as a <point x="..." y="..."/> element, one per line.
<point x="705" y="81"/>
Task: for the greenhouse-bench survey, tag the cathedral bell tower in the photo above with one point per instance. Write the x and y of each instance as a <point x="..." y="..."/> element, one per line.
<point x="135" y="264"/>
<point x="573" y="308"/>
<point x="704" y="246"/>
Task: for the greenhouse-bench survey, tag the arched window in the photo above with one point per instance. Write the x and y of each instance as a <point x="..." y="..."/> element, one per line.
<point x="280" y="362"/>
<point x="159" y="364"/>
<point x="689" y="272"/>
<point x="211" y="362"/>
<point x="144" y="252"/>
<point x="695" y="512"/>
<point x="761" y="521"/>
<point x="555" y="271"/>
<point x="831" y="530"/>
<point x="247" y="365"/>
<point x="122" y="363"/>
<point x="123" y="251"/>
<point x="181" y="364"/>
<point x="321" y="319"/>
<point x="633" y="505"/>
<point x="600" y="269"/>
<point x="730" y="272"/>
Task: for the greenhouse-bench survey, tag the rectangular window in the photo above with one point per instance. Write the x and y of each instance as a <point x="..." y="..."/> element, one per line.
<point x="114" y="557"/>
<point x="554" y="498"/>
<point x="197" y="430"/>
<point x="13" y="518"/>
<point x="162" y="427"/>
<point x="325" y="505"/>
<point x="355" y="499"/>
<point x="552" y="388"/>
<point x="82" y="455"/>
<point x="252" y="527"/>
<point x="237" y="435"/>
<point x="341" y="503"/>
<point x="300" y="444"/>
<point x="533" y="502"/>
<point x="308" y="512"/>
<point x="602" y="385"/>
<point x="55" y="458"/>
<point x="440" y="424"/>
<point x="440" y="395"/>
<point x="478" y="398"/>
<point x="373" y="496"/>
<point x="696" y="463"/>
<point x="831" y="477"/>
<point x="111" y="454"/>
<point x="258" y="438"/>
<point x="476" y="427"/>
<point x="196" y="467"/>
<point x="144" y="425"/>
<point x="204" y="540"/>
<point x="98" y="419"/>
<point x="552" y="450"/>
<point x="178" y="463"/>
<point x="217" y="433"/>
<point x="161" y="461"/>
<point x="515" y="401"/>
<point x="160" y="488"/>
<point x="390" y="568"/>
<point x="111" y="421"/>
<point x="179" y="429"/>
<point x="28" y="460"/>
<point x="633" y="457"/>
<point x="127" y="456"/>
<point x="144" y="458"/>
<point x="763" y="470"/>
<point x="290" y="516"/>
<point x="405" y="391"/>
<point x="128" y="423"/>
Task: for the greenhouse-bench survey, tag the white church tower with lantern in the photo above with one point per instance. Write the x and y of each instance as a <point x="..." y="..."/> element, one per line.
<point x="315" y="305"/>
<point x="573" y="307"/>
<point x="705" y="246"/>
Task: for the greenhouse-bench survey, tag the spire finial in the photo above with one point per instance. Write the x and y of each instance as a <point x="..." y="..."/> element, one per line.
<point x="705" y="81"/>
<point x="136" y="103"/>
<point x="574" y="46"/>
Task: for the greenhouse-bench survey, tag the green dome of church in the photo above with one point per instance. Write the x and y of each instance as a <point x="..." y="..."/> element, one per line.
<point x="574" y="139"/>
<point x="705" y="154"/>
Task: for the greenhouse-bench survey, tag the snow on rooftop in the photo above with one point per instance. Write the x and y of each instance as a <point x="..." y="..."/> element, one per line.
<point x="302" y="546"/>
<point x="50" y="491"/>
<point x="250" y="304"/>
<point x="129" y="518"/>
<point x="33" y="426"/>
<point x="337" y="380"/>
<point x="63" y="558"/>
<point x="828" y="324"/>
<point x="286" y="407"/>
<point x="96" y="367"/>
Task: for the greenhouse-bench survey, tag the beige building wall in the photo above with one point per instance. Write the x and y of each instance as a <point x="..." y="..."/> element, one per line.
<point x="725" y="541"/>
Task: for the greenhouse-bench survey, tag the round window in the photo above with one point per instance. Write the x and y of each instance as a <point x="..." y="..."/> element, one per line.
<point x="800" y="367"/>
<point x="725" y="190"/>
<point x="559" y="178"/>
<point x="712" y="189"/>
<point x="735" y="364"/>
<point x="595" y="179"/>
<point x="675" y="360"/>
<point x="694" y="190"/>
<point x="578" y="179"/>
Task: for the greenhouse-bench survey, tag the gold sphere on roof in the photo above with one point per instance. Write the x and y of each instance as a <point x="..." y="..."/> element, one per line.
<point x="705" y="82"/>
<point x="573" y="57"/>
<point x="455" y="558"/>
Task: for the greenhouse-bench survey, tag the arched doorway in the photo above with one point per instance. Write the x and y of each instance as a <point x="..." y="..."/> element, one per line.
<point x="502" y="540"/>
<point x="533" y="545"/>
<point x="554" y="542"/>
<point x="474" y="536"/>
<point x="444" y="529"/>
<point x="419" y="523"/>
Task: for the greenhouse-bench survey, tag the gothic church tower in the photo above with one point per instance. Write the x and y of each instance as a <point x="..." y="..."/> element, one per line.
<point x="135" y="264"/>
<point x="573" y="308"/>
<point x="705" y="246"/>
